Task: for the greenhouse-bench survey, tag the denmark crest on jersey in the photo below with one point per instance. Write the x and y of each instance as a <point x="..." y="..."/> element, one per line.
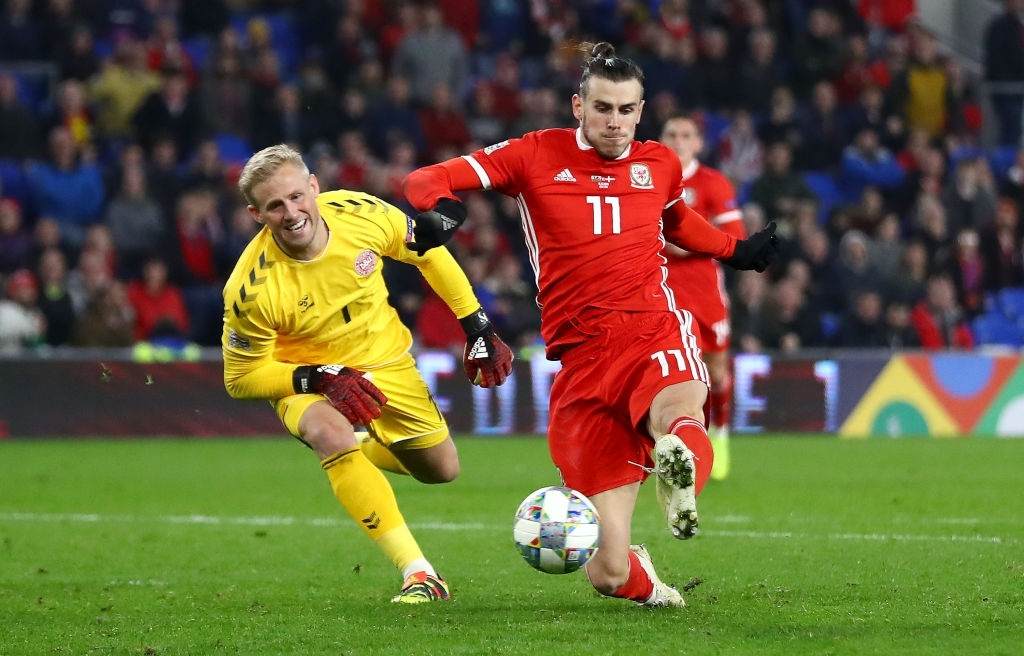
<point x="366" y="262"/>
<point x="640" y="176"/>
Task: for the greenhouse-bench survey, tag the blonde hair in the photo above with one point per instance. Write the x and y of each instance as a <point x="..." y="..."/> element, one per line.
<point x="264" y="164"/>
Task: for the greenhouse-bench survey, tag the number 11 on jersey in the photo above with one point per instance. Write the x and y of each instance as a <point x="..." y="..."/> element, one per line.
<point x="613" y="201"/>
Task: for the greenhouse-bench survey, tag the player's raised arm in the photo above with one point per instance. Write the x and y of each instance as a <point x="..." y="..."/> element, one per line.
<point x="431" y="189"/>
<point x="687" y="229"/>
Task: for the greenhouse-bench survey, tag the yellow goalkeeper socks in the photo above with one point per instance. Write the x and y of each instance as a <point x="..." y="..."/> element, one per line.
<point x="367" y="496"/>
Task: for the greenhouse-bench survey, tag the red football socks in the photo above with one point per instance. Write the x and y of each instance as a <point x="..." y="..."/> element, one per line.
<point x="638" y="586"/>
<point x="695" y="437"/>
<point x="721" y="403"/>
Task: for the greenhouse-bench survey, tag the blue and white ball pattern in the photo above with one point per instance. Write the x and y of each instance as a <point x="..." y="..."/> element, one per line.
<point x="556" y="529"/>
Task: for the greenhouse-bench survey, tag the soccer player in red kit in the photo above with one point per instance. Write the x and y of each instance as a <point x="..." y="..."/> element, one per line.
<point x="596" y="208"/>
<point x="697" y="280"/>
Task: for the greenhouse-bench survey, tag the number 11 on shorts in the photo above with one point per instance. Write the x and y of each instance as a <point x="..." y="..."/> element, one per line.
<point x="663" y="360"/>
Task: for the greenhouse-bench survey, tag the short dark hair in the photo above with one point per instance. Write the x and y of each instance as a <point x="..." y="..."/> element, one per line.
<point x="602" y="62"/>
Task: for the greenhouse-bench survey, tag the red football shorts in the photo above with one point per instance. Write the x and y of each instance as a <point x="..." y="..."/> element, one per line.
<point x="600" y="398"/>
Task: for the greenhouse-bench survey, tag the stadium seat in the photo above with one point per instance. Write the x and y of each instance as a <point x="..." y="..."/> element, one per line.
<point x="823" y="185"/>
<point x="995" y="328"/>
<point x="198" y="50"/>
<point x="1011" y="302"/>
<point x="233" y="149"/>
<point x="1001" y="159"/>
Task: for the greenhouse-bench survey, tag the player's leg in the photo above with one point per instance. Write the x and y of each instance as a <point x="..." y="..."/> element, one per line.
<point x="358" y="485"/>
<point x="411" y="427"/>
<point x="720" y="402"/>
<point x="619" y="569"/>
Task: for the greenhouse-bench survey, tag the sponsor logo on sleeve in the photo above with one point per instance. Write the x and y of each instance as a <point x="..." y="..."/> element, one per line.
<point x="493" y="147"/>
<point x="238" y="341"/>
<point x="689" y="195"/>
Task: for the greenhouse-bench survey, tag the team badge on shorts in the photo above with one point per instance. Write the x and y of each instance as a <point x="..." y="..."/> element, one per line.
<point x="366" y="262"/>
<point x="640" y="176"/>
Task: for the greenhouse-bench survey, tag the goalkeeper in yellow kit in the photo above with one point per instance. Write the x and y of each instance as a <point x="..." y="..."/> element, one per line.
<point x="307" y="325"/>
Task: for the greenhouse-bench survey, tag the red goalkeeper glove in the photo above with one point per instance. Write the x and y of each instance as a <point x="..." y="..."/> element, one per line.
<point x="487" y="360"/>
<point x="347" y="389"/>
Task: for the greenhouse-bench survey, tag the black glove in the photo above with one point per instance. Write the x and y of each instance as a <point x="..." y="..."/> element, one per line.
<point x="756" y="251"/>
<point x="436" y="227"/>
<point x="347" y="389"/>
<point x="487" y="360"/>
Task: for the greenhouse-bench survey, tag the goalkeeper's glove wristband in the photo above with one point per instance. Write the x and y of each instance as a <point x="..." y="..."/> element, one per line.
<point x="757" y="251"/>
<point x="347" y="389"/>
<point x="487" y="360"/>
<point x="436" y="227"/>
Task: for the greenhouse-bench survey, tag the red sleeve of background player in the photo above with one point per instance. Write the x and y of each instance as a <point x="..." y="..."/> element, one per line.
<point x="687" y="229"/>
<point x="500" y="166"/>
<point x="725" y="214"/>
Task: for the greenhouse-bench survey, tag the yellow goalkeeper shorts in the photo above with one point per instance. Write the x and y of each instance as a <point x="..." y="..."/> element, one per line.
<point x="409" y="420"/>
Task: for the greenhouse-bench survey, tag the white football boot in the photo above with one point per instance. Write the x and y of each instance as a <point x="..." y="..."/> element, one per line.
<point x="676" y="475"/>
<point x="663" y="594"/>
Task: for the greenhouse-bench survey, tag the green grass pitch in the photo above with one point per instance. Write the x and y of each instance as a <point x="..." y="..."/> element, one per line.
<point x="814" y="546"/>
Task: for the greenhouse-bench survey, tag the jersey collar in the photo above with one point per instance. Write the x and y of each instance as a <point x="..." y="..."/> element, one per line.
<point x="581" y="141"/>
<point x="690" y="169"/>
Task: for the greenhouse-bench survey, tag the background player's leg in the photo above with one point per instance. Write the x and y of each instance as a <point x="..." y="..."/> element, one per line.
<point x="434" y="464"/>
<point x="721" y="409"/>
<point x="360" y="487"/>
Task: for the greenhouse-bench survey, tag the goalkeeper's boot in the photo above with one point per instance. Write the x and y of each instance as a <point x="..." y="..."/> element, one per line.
<point x="663" y="594"/>
<point x="719" y="436"/>
<point x="421" y="588"/>
<point x="675" y="471"/>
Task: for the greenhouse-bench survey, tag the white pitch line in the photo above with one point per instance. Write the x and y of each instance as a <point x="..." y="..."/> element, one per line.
<point x="285" y="520"/>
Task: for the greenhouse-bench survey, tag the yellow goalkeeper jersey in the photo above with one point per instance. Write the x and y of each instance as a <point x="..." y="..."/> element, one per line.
<point x="280" y="312"/>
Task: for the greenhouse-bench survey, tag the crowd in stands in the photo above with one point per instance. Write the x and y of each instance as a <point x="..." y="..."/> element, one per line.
<point x="844" y="120"/>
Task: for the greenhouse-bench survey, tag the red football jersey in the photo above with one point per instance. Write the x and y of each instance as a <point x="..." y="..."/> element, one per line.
<point x="711" y="195"/>
<point x="593" y="226"/>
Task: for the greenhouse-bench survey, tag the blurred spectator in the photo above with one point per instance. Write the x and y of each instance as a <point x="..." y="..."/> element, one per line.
<point x="779" y="189"/>
<point x="970" y="200"/>
<point x="68" y="187"/>
<point x="170" y="112"/>
<point x="92" y="273"/>
<point x="750" y="313"/>
<point x="864" y="326"/>
<point x="740" y="155"/>
<point x="121" y="88"/>
<point x="505" y="88"/>
<point x="856" y="273"/>
<point x="824" y="130"/>
<point x="484" y="125"/>
<point x="356" y="166"/>
<point x="393" y="119"/>
<point x="923" y="92"/>
<point x="515" y="303"/>
<point x="899" y="333"/>
<point x="165" y="52"/>
<point x="199" y="230"/>
<point x="908" y="285"/>
<point x="225" y="94"/>
<point x="788" y="324"/>
<point x="286" y="122"/>
<point x="351" y="46"/>
<point x="1002" y="247"/>
<point x="717" y="73"/>
<point x="107" y="321"/>
<point x="856" y="75"/>
<point x="135" y="221"/>
<point x="72" y="112"/>
<point x="19" y="130"/>
<point x="783" y="123"/>
<point x="969" y="272"/>
<point x="760" y="72"/>
<point x="887" y="248"/>
<point x="165" y="178"/>
<point x="21" y="323"/>
<point x="867" y="162"/>
<point x="1004" y="70"/>
<point x="818" y="54"/>
<point x="77" y="58"/>
<point x="432" y="55"/>
<point x="442" y="124"/>
<point x="1013" y="185"/>
<point x="20" y="36"/>
<point x="208" y="171"/>
<point x="15" y="239"/>
<point x="55" y="298"/>
<point x="932" y="229"/>
<point x="159" y="306"/>
<point x="938" y="318"/>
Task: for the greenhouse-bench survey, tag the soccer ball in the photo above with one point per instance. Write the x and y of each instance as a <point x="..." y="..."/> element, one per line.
<point x="556" y="529"/>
